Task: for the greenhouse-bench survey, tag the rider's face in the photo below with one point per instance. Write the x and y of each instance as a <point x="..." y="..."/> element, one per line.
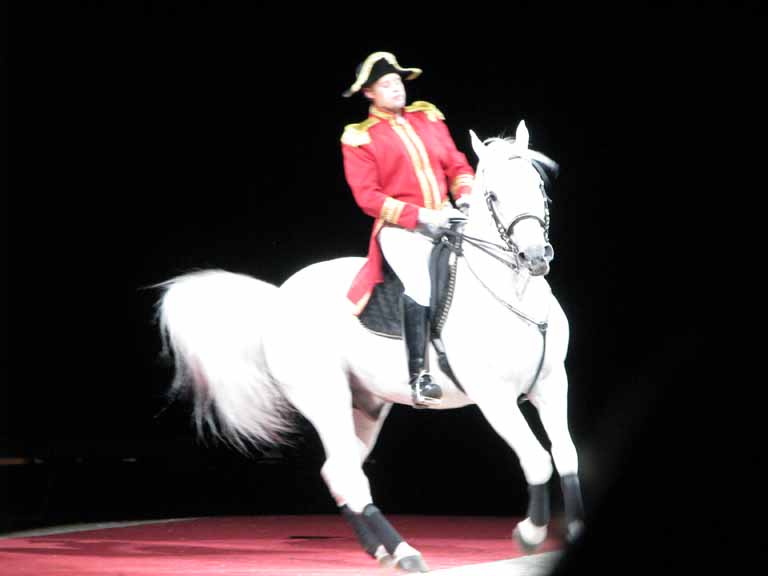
<point x="387" y="93"/>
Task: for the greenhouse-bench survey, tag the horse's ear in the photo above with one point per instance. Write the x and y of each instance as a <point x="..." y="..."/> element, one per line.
<point x="521" y="135"/>
<point x="477" y="145"/>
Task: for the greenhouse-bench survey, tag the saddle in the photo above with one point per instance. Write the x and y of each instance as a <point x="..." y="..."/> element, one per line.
<point x="382" y="314"/>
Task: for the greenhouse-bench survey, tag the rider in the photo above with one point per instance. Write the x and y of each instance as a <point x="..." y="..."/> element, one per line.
<point x="400" y="163"/>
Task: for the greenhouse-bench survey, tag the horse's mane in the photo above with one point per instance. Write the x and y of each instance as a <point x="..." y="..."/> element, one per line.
<point x="501" y="138"/>
<point x="509" y="142"/>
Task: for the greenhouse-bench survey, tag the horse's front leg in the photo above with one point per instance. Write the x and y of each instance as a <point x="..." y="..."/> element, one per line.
<point x="499" y="406"/>
<point x="550" y="397"/>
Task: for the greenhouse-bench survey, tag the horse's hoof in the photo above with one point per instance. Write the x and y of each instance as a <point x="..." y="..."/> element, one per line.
<point x="412" y="564"/>
<point x="384" y="558"/>
<point x="575" y="528"/>
<point x="527" y="548"/>
<point x="528" y="545"/>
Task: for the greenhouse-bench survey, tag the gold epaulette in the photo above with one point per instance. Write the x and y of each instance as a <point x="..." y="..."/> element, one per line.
<point x="429" y="109"/>
<point x="357" y="134"/>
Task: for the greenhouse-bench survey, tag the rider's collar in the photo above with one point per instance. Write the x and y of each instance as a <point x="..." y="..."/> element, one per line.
<point x="379" y="113"/>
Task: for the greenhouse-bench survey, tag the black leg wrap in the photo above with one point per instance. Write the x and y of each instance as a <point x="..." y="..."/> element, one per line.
<point x="538" y="504"/>
<point x="574" y="509"/>
<point x="382" y="528"/>
<point x="365" y="535"/>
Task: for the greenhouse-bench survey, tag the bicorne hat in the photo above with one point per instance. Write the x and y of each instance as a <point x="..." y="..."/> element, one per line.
<point x="374" y="67"/>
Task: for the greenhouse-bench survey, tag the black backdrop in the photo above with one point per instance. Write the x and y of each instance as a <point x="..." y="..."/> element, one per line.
<point x="150" y="142"/>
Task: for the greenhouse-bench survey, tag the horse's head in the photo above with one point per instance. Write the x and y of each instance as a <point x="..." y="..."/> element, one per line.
<point x="510" y="181"/>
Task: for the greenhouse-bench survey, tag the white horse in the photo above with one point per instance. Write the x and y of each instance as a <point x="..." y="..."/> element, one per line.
<point x="252" y="352"/>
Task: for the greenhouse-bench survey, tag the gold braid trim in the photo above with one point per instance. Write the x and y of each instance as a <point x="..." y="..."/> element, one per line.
<point x="357" y="134"/>
<point x="462" y="180"/>
<point x="429" y="109"/>
<point x="391" y="210"/>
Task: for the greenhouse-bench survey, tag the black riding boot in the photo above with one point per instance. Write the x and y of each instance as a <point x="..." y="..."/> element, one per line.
<point x="416" y="335"/>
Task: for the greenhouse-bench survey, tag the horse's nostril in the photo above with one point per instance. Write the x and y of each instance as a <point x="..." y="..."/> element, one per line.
<point x="523" y="257"/>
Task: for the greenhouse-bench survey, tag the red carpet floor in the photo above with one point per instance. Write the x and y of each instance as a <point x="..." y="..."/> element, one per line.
<point x="254" y="545"/>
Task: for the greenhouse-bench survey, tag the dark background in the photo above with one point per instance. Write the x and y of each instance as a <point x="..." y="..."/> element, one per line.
<point x="154" y="141"/>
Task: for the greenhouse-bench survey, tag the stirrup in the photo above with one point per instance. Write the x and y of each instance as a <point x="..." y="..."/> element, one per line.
<point x="419" y="400"/>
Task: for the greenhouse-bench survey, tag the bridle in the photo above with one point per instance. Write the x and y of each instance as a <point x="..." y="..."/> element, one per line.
<point x="507" y="233"/>
<point x="540" y="163"/>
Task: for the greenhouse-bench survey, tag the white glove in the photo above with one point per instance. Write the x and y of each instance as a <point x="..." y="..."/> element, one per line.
<point x="463" y="204"/>
<point x="440" y="218"/>
<point x="454" y="215"/>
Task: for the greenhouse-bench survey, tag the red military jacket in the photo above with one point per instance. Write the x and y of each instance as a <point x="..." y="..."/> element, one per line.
<point x="394" y="167"/>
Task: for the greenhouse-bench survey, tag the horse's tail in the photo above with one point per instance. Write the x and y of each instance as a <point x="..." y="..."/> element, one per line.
<point x="214" y="322"/>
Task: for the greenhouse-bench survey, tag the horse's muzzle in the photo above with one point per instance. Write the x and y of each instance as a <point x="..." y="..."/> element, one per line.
<point x="536" y="259"/>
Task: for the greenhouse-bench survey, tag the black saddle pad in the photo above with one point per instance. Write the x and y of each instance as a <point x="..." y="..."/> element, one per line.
<point x="383" y="311"/>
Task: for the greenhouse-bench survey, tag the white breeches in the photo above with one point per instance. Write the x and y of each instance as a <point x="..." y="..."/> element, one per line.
<point x="407" y="252"/>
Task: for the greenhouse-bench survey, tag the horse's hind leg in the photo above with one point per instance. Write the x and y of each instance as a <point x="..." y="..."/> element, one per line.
<point x="369" y="415"/>
<point x="326" y="404"/>
<point x="327" y="407"/>
<point x="501" y="411"/>
<point x="550" y="399"/>
<point x="371" y="527"/>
